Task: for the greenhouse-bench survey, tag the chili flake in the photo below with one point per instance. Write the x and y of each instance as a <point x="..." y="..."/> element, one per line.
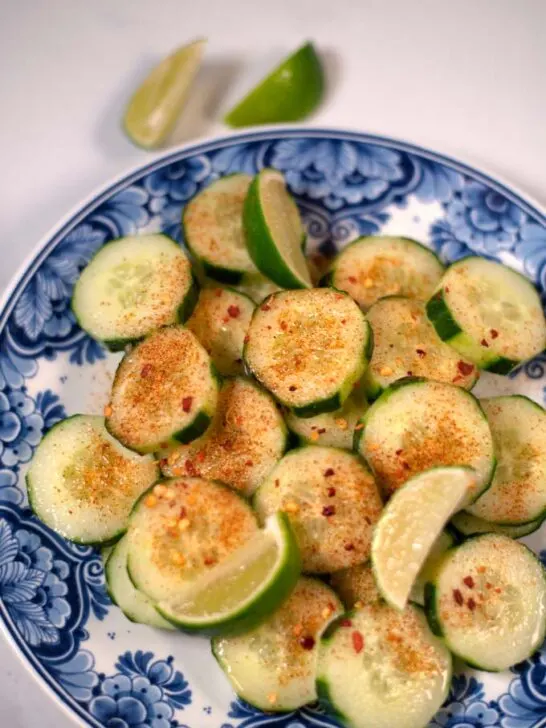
<point x="465" y="368"/>
<point x="146" y="370"/>
<point x="234" y="311"/>
<point x="292" y="388"/>
<point x="177" y="558"/>
<point x="358" y="642"/>
<point x="284" y="325"/>
<point x="329" y="472"/>
<point x="469" y="581"/>
<point x="483" y="342"/>
<point x="346" y="623"/>
<point x="421" y="352"/>
<point x="187" y="403"/>
<point x="352" y="279"/>
<point x="471" y="604"/>
<point x="329" y="511"/>
<point x="458" y="597"/>
<point x="494" y="333"/>
<point x="331" y="492"/>
<point x="190" y="468"/>
<point x="321" y="430"/>
<point x="265" y="307"/>
<point x="349" y="547"/>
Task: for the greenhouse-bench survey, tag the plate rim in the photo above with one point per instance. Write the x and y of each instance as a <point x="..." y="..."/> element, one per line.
<point x="39" y="250"/>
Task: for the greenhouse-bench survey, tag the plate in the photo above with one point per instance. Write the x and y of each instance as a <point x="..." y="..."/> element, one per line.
<point x="105" y="670"/>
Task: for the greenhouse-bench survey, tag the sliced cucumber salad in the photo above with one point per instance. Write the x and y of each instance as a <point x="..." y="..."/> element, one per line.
<point x="488" y="602"/>
<point x="245" y="440"/>
<point x="131" y="287"/>
<point x="165" y="391"/>
<point x="371" y="268"/>
<point x="488" y="313"/>
<point x="309" y="348"/>
<point x="417" y="424"/>
<point x="261" y="427"/>
<point x="332" y="501"/>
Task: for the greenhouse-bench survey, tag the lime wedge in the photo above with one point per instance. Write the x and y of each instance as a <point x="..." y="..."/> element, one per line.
<point x="274" y="232"/>
<point x="291" y="92"/>
<point x="156" y="105"/>
<point x="411" y="524"/>
<point x="244" y="589"/>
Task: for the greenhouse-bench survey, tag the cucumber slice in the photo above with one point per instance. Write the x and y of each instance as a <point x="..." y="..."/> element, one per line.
<point x="134" y="604"/>
<point x="165" y="391"/>
<point x="220" y="321"/>
<point x="212" y="224"/>
<point x="331" y="429"/>
<point x="247" y="437"/>
<point x="356" y="586"/>
<point x="406" y="344"/>
<point x="332" y="502"/>
<point x="381" y="668"/>
<point x="410" y="525"/>
<point x="242" y="591"/>
<point x="131" y="287"/>
<point x="518" y="493"/>
<point x="373" y="267"/>
<point x="273" y="666"/>
<point x="488" y="602"/>
<point x="309" y="348"/>
<point x="418" y="424"/>
<point x="468" y="525"/>
<point x="274" y="232"/>
<point x="182" y="528"/>
<point x="82" y="483"/>
<point x="489" y="313"/>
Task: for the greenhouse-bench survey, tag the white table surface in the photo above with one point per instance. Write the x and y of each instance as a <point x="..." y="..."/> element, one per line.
<point x="463" y="77"/>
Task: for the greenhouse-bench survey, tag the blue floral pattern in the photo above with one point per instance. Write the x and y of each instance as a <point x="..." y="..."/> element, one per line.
<point x="52" y="595"/>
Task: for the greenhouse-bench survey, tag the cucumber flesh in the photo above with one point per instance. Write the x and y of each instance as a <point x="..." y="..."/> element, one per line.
<point x="373" y="267"/>
<point x="135" y="605"/>
<point x="245" y="440"/>
<point x="220" y="321"/>
<point x="165" y="391"/>
<point x="488" y="601"/>
<point x="518" y="492"/>
<point x="177" y="536"/>
<point x="379" y="667"/>
<point x="82" y="483"/>
<point x="489" y="313"/>
<point x="406" y="344"/>
<point x="356" y="585"/>
<point x="416" y="425"/>
<point x="332" y="501"/>
<point x="331" y="429"/>
<point x="308" y="348"/>
<point x="273" y="666"/>
<point x="469" y="525"/>
<point x="212" y="224"/>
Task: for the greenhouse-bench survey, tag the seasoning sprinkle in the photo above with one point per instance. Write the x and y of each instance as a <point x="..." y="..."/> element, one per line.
<point x="349" y="547"/>
<point x="307" y="642"/>
<point x="358" y="642"/>
<point x="421" y="352"/>
<point x="183" y="524"/>
<point x="329" y="511"/>
<point x="329" y="472"/>
<point x="346" y="623"/>
<point x="469" y="581"/>
<point x="471" y="604"/>
<point x="292" y="387"/>
<point x="108" y="411"/>
<point x="352" y="279"/>
<point x="177" y="558"/>
<point x="234" y="311"/>
<point x="465" y="368"/>
<point x="494" y="333"/>
<point x="187" y="403"/>
<point x="458" y="597"/>
<point x="331" y="492"/>
<point x="483" y="342"/>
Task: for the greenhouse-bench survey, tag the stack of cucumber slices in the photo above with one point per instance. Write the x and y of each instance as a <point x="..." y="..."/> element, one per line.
<point x="302" y="473"/>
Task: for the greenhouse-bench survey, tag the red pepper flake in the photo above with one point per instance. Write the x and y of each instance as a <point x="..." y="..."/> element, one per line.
<point x="368" y="520"/>
<point x="331" y="492"/>
<point x="352" y="279"/>
<point x="146" y="370"/>
<point x="458" y="597"/>
<point x="249" y="463"/>
<point x="458" y="378"/>
<point x="488" y="585"/>
<point x="246" y="339"/>
<point x="346" y="623"/>
<point x="182" y="513"/>
<point x="321" y="430"/>
<point x="498" y="590"/>
<point x="409" y="374"/>
<point x="494" y="333"/>
<point x="277" y="483"/>
<point x="349" y="547"/>
<point x="446" y="289"/>
<point x="329" y="472"/>
<point x="421" y="352"/>
<point x="200" y="456"/>
<point x="358" y="642"/>
<point x="471" y="604"/>
<point x="292" y="388"/>
<point x="190" y="468"/>
<point x="328" y="511"/>
<point x="307" y="642"/>
<point x="406" y="465"/>
<point x="284" y="325"/>
<point x="234" y="311"/>
<point x="343" y="321"/>
<point x="187" y="403"/>
<point x="209" y="560"/>
<point x="163" y="463"/>
<point x="399" y="452"/>
<point x="483" y="342"/>
<point x="265" y="307"/>
<point x="465" y="368"/>
<point x="469" y="581"/>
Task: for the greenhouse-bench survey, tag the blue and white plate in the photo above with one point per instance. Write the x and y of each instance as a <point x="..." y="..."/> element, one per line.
<point x="106" y="670"/>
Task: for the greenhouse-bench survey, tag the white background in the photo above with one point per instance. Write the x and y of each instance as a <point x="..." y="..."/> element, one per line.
<point x="464" y="77"/>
